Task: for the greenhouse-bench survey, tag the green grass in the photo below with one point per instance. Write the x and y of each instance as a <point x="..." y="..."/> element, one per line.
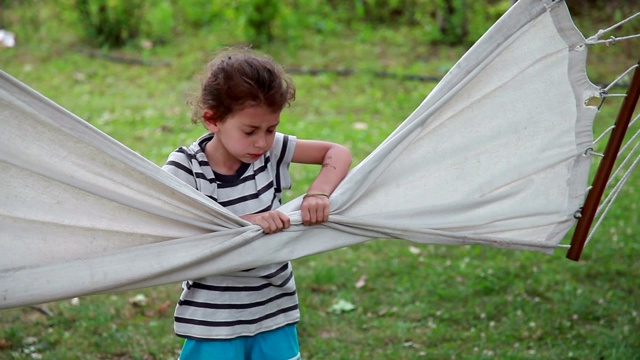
<point x="417" y="301"/>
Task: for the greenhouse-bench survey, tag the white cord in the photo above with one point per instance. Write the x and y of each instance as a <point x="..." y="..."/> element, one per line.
<point x="606" y="90"/>
<point x="603" y="209"/>
<point x="595" y="39"/>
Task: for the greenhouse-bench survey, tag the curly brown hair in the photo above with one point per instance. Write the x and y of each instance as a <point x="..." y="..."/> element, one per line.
<point x="238" y="78"/>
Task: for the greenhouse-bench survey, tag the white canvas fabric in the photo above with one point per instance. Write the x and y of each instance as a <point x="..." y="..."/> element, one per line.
<point x="493" y="156"/>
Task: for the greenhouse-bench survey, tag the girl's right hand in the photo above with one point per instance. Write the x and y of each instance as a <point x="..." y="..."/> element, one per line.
<point x="270" y="221"/>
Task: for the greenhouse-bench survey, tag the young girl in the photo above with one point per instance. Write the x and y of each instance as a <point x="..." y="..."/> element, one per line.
<point x="242" y="163"/>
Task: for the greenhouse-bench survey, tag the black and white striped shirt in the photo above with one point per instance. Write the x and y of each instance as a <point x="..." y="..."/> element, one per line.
<point x="250" y="301"/>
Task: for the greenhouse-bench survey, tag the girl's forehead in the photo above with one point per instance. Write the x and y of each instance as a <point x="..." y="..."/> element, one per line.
<point x="257" y="116"/>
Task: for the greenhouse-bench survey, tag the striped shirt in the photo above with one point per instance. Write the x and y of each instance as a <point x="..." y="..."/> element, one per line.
<point x="247" y="302"/>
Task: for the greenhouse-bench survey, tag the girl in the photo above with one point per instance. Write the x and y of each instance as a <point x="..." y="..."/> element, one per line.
<point x="242" y="163"/>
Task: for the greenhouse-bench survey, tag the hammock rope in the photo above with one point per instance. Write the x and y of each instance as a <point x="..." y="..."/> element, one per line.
<point x="591" y="152"/>
<point x="623" y="75"/>
<point x="584" y="230"/>
<point x="595" y="39"/>
<point x="603" y="209"/>
<point x="633" y="140"/>
<point x="604" y="94"/>
<point x="624" y="163"/>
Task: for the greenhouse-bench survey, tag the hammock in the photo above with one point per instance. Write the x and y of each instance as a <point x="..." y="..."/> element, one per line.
<point x="493" y="156"/>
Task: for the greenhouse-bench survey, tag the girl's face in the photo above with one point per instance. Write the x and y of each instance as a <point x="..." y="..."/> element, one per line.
<point x="245" y="135"/>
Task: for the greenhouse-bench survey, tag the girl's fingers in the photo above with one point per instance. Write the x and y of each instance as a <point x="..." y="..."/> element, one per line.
<point x="275" y="221"/>
<point x="313" y="216"/>
<point x="325" y="213"/>
<point x="315" y="211"/>
<point x="286" y="222"/>
<point x="267" y="224"/>
<point x="270" y="221"/>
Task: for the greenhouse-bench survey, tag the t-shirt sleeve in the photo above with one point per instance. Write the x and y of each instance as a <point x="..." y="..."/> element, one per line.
<point x="281" y="154"/>
<point x="179" y="165"/>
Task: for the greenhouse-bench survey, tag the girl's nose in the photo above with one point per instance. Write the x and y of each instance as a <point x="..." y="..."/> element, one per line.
<point x="261" y="141"/>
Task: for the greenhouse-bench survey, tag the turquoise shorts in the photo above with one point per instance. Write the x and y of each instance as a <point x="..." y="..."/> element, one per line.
<point x="277" y="344"/>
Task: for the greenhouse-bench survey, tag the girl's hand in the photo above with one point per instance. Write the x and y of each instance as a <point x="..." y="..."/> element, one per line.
<point x="270" y="221"/>
<point x="335" y="160"/>
<point x="315" y="209"/>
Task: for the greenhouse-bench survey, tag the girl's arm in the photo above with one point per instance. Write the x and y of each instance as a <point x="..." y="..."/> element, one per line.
<point x="335" y="160"/>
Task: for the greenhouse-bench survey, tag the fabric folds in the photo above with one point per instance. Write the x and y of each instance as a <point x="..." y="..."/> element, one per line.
<point x="493" y="156"/>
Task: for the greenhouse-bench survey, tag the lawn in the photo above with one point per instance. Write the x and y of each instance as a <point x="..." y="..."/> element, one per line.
<point x="384" y="299"/>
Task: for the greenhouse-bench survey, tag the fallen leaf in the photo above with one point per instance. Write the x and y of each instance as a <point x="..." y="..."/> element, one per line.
<point x="362" y="281"/>
<point x="341" y="306"/>
<point x="360" y="126"/>
<point x="7" y="38"/>
<point x="414" y="250"/>
<point x="163" y="307"/>
<point x="5" y="344"/>
<point x="138" y="300"/>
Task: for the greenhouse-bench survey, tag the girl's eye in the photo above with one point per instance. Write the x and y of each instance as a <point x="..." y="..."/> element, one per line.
<point x="271" y="131"/>
<point x="249" y="132"/>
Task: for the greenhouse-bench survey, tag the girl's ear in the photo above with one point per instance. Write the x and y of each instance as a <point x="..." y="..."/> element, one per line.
<point x="210" y="120"/>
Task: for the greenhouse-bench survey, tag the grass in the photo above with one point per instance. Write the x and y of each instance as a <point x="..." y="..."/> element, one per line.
<point x="410" y="301"/>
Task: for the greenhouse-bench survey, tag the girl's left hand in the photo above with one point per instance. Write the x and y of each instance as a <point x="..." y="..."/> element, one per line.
<point x="315" y="210"/>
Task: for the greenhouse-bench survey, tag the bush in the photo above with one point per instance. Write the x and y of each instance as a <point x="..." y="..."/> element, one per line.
<point x="158" y="22"/>
<point x="110" y="23"/>
<point x="259" y="18"/>
<point x="115" y="23"/>
<point x="456" y="22"/>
